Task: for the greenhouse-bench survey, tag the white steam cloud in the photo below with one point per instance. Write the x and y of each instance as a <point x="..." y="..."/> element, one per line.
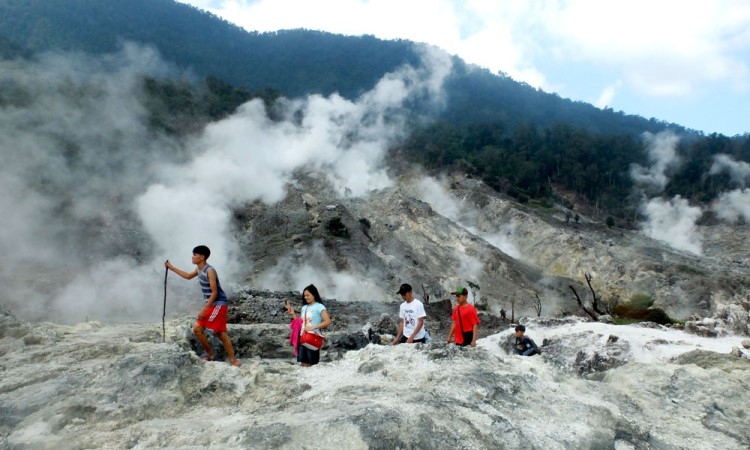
<point x="249" y="157"/>
<point x="313" y="266"/>
<point x="83" y="176"/>
<point x="663" y="156"/>
<point x="673" y="221"/>
<point x="739" y="171"/>
<point x="76" y="151"/>
<point x="733" y="206"/>
<point x="436" y="194"/>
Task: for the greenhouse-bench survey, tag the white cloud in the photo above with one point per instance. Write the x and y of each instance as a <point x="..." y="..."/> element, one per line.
<point x="681" y="62"/>
<point x="483" y="33"/>
<point x="658" y="48"/>
<point x="608" y="94"/>
<point x="661" y="48"/>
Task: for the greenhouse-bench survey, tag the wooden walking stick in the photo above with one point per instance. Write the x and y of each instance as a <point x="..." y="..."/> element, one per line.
<point x="164" y="310"/>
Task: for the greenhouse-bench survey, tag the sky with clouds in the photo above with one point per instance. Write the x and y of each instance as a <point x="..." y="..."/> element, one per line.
<point x="682" y="62"/>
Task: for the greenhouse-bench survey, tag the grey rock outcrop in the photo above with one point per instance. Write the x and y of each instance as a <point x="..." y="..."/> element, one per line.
<point x="392" y="236"/>
<point x="707" y="327"/>
<point x="603" y="355"/>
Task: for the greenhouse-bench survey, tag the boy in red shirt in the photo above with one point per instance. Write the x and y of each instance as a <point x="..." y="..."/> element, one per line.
<point x="465" y="320"/>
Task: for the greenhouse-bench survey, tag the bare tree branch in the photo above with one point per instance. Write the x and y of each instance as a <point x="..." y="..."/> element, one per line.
<point x="580" y="304"/>
<point x="537" y="305"/>
<point x="474" y="290"/>
<point x="595" y="300"/>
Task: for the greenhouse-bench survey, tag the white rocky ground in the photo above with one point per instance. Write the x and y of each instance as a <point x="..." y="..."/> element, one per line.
<point x="118" y="386"/>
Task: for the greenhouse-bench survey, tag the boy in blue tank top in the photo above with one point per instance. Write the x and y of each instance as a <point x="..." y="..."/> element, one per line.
<point x="214" y="314"/>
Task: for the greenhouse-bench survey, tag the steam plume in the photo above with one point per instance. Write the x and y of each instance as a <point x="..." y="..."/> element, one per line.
<point x="673" y="221"/>
<point x="435" y="193"/>
<point x="739" y="171"/>
<point x="663" y="156"/>
<point x="99" y="200"/>
<point x="733" y="206"/>
<point x="248" y="157"/>
<point x="76" y="151"/>
<point x="312" y="265"/>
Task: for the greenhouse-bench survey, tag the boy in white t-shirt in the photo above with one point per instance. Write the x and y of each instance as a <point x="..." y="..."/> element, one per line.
<point x="411" y="316"/>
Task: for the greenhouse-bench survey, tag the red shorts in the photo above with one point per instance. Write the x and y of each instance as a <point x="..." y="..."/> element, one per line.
<point x="215" y="320"/>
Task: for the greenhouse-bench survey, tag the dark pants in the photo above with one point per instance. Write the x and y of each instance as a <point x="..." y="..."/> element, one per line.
<point x="308" y="356"/>
<point x="468" y="337"/>
<point x="404" y="338"/>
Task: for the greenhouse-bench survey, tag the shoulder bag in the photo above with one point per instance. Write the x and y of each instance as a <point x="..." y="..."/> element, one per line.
<point x="313" y="341"/>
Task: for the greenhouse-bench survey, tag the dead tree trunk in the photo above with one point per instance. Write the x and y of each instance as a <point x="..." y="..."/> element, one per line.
<point x="595" y="300"/>
<point x="537" y="305"/>
<point x="474" y="290"/>
<point x="580" y="304"/>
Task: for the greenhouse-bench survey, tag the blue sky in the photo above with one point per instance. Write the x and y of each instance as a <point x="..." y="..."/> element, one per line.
<point x="682" y="62"/>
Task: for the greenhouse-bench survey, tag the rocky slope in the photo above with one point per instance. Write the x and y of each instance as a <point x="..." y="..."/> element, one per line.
<point x="623" y="262"/>
<point x="506" y="252"/>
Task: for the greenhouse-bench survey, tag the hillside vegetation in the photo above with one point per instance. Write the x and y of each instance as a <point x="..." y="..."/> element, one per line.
<point x="528" y="162"/>
<point x="295" y="62"/>
<point x="520" y="140"/>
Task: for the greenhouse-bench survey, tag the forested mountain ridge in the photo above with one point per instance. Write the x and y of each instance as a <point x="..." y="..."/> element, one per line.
<point x="295" y="62"/>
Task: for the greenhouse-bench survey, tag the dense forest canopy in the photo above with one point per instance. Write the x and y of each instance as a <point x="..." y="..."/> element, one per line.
<point x="529" y="162"/>
<point x="520" y="140"/>
<point x="295" y="62"/>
